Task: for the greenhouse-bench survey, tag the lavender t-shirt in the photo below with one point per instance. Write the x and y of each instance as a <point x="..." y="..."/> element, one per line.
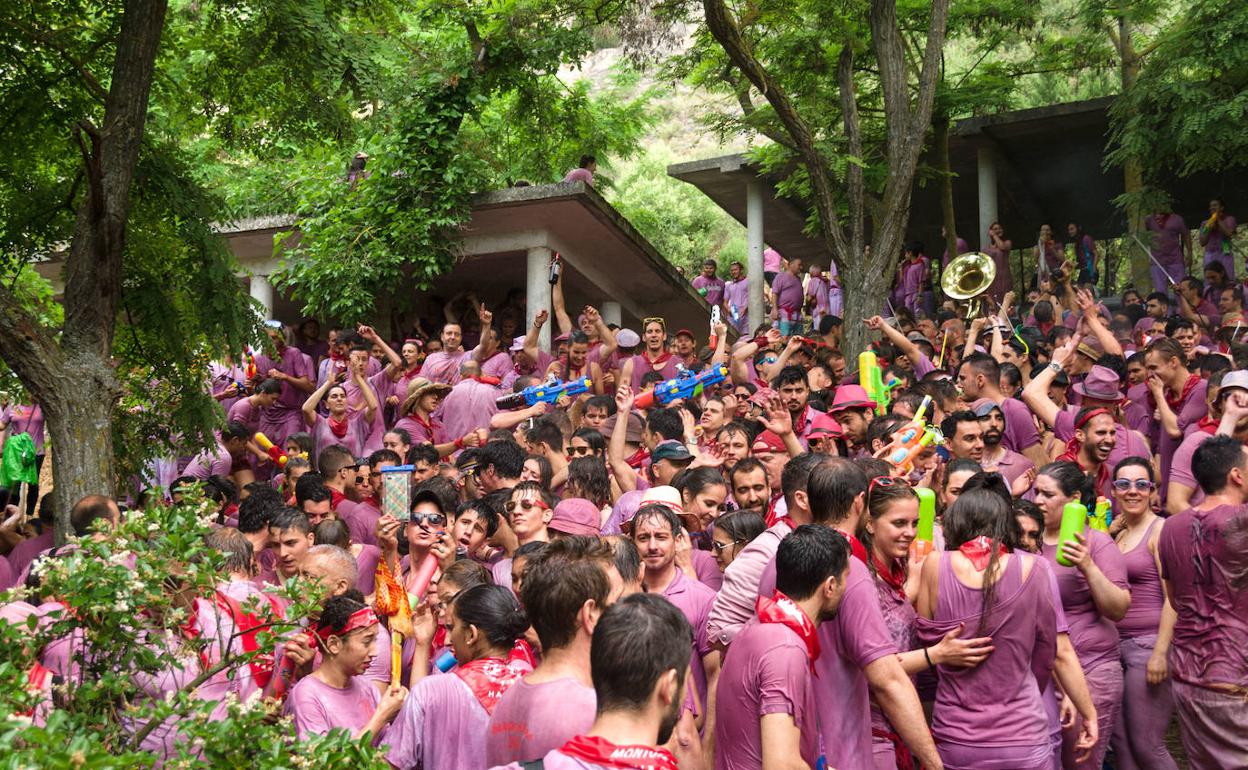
<point x="1094" y="636"/>
<point x="533" y="719"/>
<point x="737" y="297"/>
<point x="1020" y="429"/>
<point x="711" y="288"/>
<point x="1181" y="465"/>
<point x="1204" y="557"/>
<point x="440" y="727"/>
<point x="768" y="672"/>
<point x="788" y="293"/>
<point x="318" y="708"/>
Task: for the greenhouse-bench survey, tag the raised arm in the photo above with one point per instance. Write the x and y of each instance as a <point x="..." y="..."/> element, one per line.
<point x="972" y="336"/>
<point x="394" y="365"/>
<point x="1036" y="394"/>
<point x="309" y="406"/>
<point x="370" y="398"/>
<point x="605" y="336"/>
<point x="1092" y="317"/>
<point x="895" y="337"/>
<point x="530" y="337"/>
<point x="624" y="474"/>
<point x="485" y="347"/>
<point x="720" y="355"/>
<point x="556" y="302"/>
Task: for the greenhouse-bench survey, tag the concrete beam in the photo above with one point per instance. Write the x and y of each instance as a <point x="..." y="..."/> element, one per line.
<point x="987" y="177"/>
<point x="537" y="292"/>
<point x="262" y="292"/>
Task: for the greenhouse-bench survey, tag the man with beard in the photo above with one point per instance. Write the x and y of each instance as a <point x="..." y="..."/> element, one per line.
<point x="766" y="695"/>
<point x="1094" y="440"/>
<point x="750" y="485"/>
<point x="638" y="660"/>
<point x="1183" y="491"/>
<point x="1017" y="470"/>
<point x="794" y="390"/>
<point x="980" y="377"/>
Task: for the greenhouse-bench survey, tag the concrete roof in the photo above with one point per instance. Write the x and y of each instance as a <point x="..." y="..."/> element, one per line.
<point x="1049" y="170"/>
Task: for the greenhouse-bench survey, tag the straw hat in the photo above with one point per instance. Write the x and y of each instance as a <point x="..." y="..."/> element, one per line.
<point x="419" y="387"/>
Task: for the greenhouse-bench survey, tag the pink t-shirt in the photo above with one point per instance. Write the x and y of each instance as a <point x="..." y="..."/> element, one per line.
<point x="533" y="719"/>
<point x="768" y="672"/>
<point x="245" y="412"/>
<point x="216" y="462"/>
<point x="788" y="292"/>
<point x="24" y="418"/>
<point x="734" y="604"/>
<point x="1181" y="465"/>
<point x="712" y="289"/>
<point x="772" y="261"/>
<point x="441" y="366"/>
<point x="580" y="175"/>
<point x="468" y="406"/>
<point x="318" y="708"/>
<point x="440" y="727"/>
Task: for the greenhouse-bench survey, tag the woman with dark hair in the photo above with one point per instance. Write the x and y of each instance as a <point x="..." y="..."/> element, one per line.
<point x="538" y="469"/>
<point x="588" y="478"/>
<point x="1145" y="631"/>
<point x="1094" y="597"/>
<point x="702" y="493"/>
<point x="886" y="533"/>
<point x="587" y="442"/>
<point x="734" y="531"/>
<point x="991" y="716"/>
<point x="443" y="723"/>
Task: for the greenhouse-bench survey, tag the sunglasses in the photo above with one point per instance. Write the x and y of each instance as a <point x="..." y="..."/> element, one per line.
<point x="880" y="481"/>
<point x="576" y="451"/>
<point x="527" y="505"/>
<point x="433" y="519"/>
<point x="719" y="547"/>
<point x="653" y="320"/>
<point x="1141" y="485"/>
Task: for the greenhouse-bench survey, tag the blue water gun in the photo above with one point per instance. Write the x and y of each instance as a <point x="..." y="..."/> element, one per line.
<point x="684" y="385"/>
<point x="549" y="392"/>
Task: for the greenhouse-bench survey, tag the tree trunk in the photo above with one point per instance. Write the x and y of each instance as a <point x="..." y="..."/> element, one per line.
<point x="940" y="137"/>
<point x="1132" y="173"/>
<point x="79" y="419"/>
<point x="865" y="286"/>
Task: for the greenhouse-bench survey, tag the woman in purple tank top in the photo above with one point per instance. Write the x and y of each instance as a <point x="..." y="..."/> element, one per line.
<point x="1094" y="597"/>
<point x="990" y="717"/>
<point x="1145" y="631"/>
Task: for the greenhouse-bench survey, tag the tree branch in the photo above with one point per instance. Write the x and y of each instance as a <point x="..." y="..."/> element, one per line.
<point x="741" y="89"/>
<point x="89" y="80"/>
<point x="853" y="133"/>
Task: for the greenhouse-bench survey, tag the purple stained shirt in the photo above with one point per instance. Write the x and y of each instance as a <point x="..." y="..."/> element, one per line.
<point x="962" y="248"/>
<point x="710" y="288"/>
<point x="215" y="462"/>
<point x="1181" y="465"/>
<point x="899" y="619"/>
<point x="1218" y="243"/>
<point x="179" y="668"/>
<point x="440" y="727"/>
<point x="1139" y="416"/>
<point x="1094" y="636"/>
<point x="1020" y="428"/>
<point x="293" y="363"/>
<point x="25" y="418"/>
<point x="358" y="429"/>
<point x="817" y="289"/>
<point x="737" y="597"/>
<point x="432" y="433"/>
<point x="913" y="272"/>
<point x="580" y="175"/>
<point x="318" y="708"/>
<point x="1168" y="241"/>
<point x="707" y="569"/>
<point x="1147" y="598"/>
<point x="1189" y="412"/>
<point x="245" y="412"/>
<point x="361" y="519"/>
<point x="533" y="719"/>
<point x="1204" y="557"/>
<point x="768" y="672"/>
<point x="772" y="261"/>
<point x="25" y="552"/>
<point x="441" y="366"/>
<point x="788" y="292"/>
<point x="468" y="406"/>
<point x="1128" y="444"/>
<point x="737" y="298"/>
<point x="1011" y="465"/>
<point x="642" y="365"/>
<point x="694" y="600"/>
<point x="218" y="629"/>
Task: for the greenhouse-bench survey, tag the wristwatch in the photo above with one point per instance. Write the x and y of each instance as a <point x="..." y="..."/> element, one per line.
<point x="1056" y="367"/>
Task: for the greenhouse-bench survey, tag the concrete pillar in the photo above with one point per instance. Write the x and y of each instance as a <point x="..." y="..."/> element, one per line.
<point x="262" y="292"/>
<point x="537" y="291"/>
<point x="754" y="242"/>
<point x="611" y="313"/>
<point x="987" y="167"/>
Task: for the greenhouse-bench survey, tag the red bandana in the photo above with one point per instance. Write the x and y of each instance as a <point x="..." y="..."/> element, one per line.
<point x="1207" y="425"/>
<point x="603" y="752"/>
<point x="1176" y="403"/>
<point x="656" y="363"/>
<point x="489" y="679"/>
<point x="893" y="575"/>
<point x="781" y="609"/>
<point x="339" y="427"/>
<point x="361" y="618"/>
<point x="979" y="552"/>
<point x="522" y="653"/>
<point x="856" y="548"/>
<point x="1072" y="455"/>
<point x="486" y="380"/>
<point x="638" y="459"/>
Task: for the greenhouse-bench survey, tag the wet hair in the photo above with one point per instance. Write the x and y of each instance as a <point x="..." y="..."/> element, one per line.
<point x="983" y="512"/>
<point x="466" y="573"/>
<point x="795" y="477"/>
<point x="741" y="525"/>
<point x="1073" y="481"/>
<point x="545" y="431"/>
<point x="656" y="511"/>
<point x="494" y="611"/>
<point x="269" y="387"/>
<point x="789" y="375"/>
<point x="404" y="437"/>
<point x="423" y="453"/>
<point x="310" y="488"/>
<point x="529" y="550"/>
<point x="627" y="558"/>
<point x="443" y="488"/>
<point x="833" y="487"/>
<point x="690" y="482"/>
<point x="545" y="473"/>
<point x="588" y="478"/>
<point x="559" y="580"/>
<point x="883" y="428"/>
<point x="807" y="557"/>
<point x="1029" y="509"/>
<point x="1213" y="461"/>
<point x="256" y="510"/>
<point x="332" y="532"/>
<point x="666" y="424"/>
<point x="748" y="429"/>
<point x="542" y="492"/>
<point x="601" y="402"/>
<point x="879" y="500"/>
<point x="991" y="481"/>
<point x="337" y="610"/>
<point x="289" y="518"/>
<point x="597" y="442"/>
<point x="484" y="511"/>
<point x="636" y="641"/>
<point x="505" y="457"/>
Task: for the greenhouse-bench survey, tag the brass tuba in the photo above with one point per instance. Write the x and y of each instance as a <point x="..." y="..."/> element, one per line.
<point x="967" y="277"/>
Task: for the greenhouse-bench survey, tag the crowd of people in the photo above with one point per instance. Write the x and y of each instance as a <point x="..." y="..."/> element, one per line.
<point x="736" y="578"/>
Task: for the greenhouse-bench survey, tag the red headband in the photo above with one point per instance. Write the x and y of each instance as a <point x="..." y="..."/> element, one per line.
<point x="362" y="618"/>
<point x="1082" y="421"/>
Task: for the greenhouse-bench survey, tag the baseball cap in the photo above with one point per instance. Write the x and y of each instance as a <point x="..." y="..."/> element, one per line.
<point x="517" y="345"/>
<point x="767" y="442"/>
<point x="684" y="333"/>
<point x="670" y="450"/>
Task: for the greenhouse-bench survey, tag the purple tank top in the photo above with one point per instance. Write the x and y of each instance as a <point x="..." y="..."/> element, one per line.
<point x="997" y="703"/>
<point x="1094" y="636"/>
<point x="1147" y="596"/>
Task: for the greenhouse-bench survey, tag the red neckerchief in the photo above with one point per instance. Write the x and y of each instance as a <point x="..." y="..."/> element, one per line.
<point x="638" y="459"/>
<point x="486" y="379"/>
<point x="488" y="678"/>
<point x="333" y="356"/>
<point x="901" y="752"/>
<point x="783" y="610"/>
<point x="339" y="427"/>
<point x="772" y="515"/>
<point x="979" y="551"/>
<point x="893" y="575"/>
<point x="521" y="652"/>
<point x="856" y="547"/>
<point x="1176" y="404"/>
<point x="335" y="498"/>
<point x="36" y="679"/>
<point x="422" y="422"/>
<point x="604" y="753"/>
<point x="439" y="638"/>
<point x="248" y="626"/>
<point x="656" y="363"/>
<point x="1208" y="425"/>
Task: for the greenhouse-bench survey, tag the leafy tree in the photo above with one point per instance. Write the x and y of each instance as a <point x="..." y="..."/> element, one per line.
<point x="118" y="596"/>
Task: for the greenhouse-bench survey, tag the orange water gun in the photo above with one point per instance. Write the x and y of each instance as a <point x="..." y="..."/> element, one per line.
<point x="250" y="355"/>
<point x="392" y="602"/>
<point x="275" y="454"/>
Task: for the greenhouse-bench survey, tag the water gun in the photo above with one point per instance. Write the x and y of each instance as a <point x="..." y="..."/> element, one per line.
<point x="275" y="454"/>
<point x="925" y="534"/>
<point x="871" y="378"/>
<point x="902" y="458"/>
<point x="909" y="433"/>
<point x="1101" y="516"/>
<point x="684" y="385"/>
<point x="1074" y="519"/>
<point x="391" y="602"/>
<point x="713" y="340"/>
<point x="250" y="356"/>
<point x="548" y="392"/>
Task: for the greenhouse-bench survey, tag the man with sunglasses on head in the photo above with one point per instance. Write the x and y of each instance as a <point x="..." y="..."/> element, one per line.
<point x="1182" y="491"/>
<point x="654" y="356"/>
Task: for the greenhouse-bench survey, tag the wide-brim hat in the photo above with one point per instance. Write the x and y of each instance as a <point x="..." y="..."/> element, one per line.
<point x="420" y="387"/>
<point x="1102" y="384"/>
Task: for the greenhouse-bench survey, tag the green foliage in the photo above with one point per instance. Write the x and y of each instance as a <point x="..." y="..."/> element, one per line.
<point x="1186" y="111"/>
<point x="125" y="596"/>
<point x="684" y="226"/>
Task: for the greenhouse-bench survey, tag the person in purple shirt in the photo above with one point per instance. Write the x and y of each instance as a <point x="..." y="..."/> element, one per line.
<point x="980" y="377"/>
<point x="773" y="263"/>
<point x="1145" y="631"/>
<point x="231" y="446"/>
<point x="654" y="357"/>
<point x="583" y="172"/>
<point x="292" y="369"/>
<point x="28" y="419"/>
<point x="998" y="247"/>
<point x="992" y="715"/>
<point x="911" y="275"/>
<point x="1085" y="253"/>
<point x="565" y="590"/>
<point x="443" y="722"/>
<point x="1171" y="246"/>
<point x="1184" y="395"/>
<point x="340" y="427"/>
<point x="766" y="694"/>
<point x="335" y="694"/>
<point x="788" y="297"/>
<point x="709" y="285"/>
<point x="1203" y="557"/>
<point x="1094" y="597"/>
<point x="737" y="298"/>
<point x="818" y="295"/>
<point x="638" y="662"/>
<point x="1216" y="234"/>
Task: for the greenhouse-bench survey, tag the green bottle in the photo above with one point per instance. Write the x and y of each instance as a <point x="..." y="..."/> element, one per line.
<point x="1074" y="519"/>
